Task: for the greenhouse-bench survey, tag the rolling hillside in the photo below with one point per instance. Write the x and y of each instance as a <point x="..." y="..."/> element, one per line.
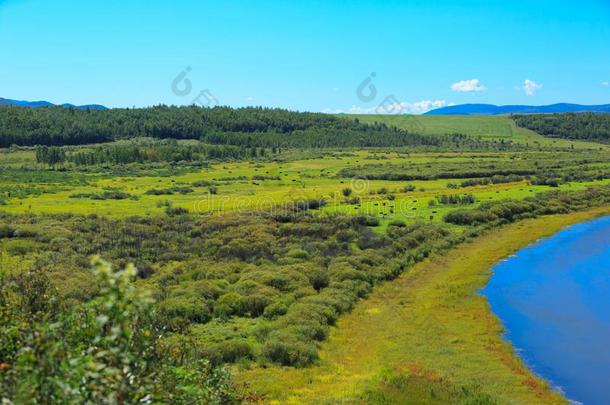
<point x="486" y="127"/>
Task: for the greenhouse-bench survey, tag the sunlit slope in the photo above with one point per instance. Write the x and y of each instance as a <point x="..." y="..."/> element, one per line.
<point x="486" y="127"/>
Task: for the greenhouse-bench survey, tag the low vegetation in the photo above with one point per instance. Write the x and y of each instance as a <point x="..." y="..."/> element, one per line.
<point x="246" y="241"/>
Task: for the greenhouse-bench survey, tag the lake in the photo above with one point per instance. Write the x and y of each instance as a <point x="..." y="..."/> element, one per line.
<point x="553" y="298"/>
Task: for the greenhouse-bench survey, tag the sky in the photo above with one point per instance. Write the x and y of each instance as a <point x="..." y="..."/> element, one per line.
<point x="363" y="56"/>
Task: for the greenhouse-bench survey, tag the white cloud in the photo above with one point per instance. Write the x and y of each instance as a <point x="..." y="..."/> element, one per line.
<point x="423" y="106"/>
<point x="468" y="86"/>
<point x="531" y="87"/>
<point x="606" y="84"/>
<point x="333" y="111"/>
<point x="393" y="106"/>
<point x="250" y="98"/>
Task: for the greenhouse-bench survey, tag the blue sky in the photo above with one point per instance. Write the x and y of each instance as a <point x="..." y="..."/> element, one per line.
<point x="306" y="54"/>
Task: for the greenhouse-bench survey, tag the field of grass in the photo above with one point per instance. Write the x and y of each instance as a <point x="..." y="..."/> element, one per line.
<point x="486" y="127"/>
<point x="282" y="183"/>
<point x="423" y="338"/>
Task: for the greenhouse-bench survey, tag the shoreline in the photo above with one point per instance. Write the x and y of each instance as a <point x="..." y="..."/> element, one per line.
<point x="430" y="327"/>
<point x="535" y="368"/>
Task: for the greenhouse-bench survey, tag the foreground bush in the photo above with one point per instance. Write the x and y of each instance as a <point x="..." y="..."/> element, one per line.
<point x="101" y="352"/>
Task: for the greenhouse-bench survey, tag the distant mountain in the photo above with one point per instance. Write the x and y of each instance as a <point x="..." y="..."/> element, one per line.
<point x="38" y="104"/>
<point x="490" y="109"/>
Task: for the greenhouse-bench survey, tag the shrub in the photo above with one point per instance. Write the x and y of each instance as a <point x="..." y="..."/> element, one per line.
<point x="311" y="204"/>
<point x="20" y="247"/>
<point x="255" y="304"/>
<point x="6" y="231"/>
<point x="188" y="307"/>
<point x="235" y="349"/>
<point x="202" y="183"/>
<point x="297" y="254"/>
<point x="469" y="217"/>
<point x="318" y="279"/>
<point x="346" y="235"/>
<point x="174" y="211"/>
<point x="170" y="191"/>
<point x="353" y="201"/>
<point x="229" y="304"/>
<point x="398" y="223"/>
<point x="289" y="352"/>
<point x="275" y="310"/>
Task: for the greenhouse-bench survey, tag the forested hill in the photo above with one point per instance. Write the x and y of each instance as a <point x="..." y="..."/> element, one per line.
<point x="583" y="126"/>
<point x="248" y="127"/>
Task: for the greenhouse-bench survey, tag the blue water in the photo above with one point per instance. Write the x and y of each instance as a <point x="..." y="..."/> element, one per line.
<point x="553" y="298"/>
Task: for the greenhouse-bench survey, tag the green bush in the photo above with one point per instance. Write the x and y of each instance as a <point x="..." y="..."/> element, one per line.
<point x="233" y="350"/>
<point x="289" y="352"/>
<point x="20" y="247"/>
<point x="275" y="310"/>
<point x="229" y="304"/>
<point x="175" y="211"/>
<point x="191" y="308"/>
<point x="255" y="304"/>
<point x="318" y="279"/>
<point x="6" y="231"/>
<point x="297" y="254"/>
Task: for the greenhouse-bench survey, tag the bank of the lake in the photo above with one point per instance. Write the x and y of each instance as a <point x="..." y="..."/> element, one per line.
<point x="428" y="336"/>
<point x="552" y="298"/>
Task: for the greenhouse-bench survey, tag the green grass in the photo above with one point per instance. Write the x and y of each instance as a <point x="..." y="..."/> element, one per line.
<point x="486" y="127"/>
<point x="427" y="337"/>
<point x="300" y="179"/>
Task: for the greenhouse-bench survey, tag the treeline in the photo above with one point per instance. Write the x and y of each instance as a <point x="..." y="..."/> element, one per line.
<point x="164" y="151"/>
<point x="244" y="127"/>
<point x="582" y="126"/>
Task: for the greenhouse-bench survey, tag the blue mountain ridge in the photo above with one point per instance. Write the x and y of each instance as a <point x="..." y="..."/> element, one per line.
<point x="490" y="109"/>
<point x="39" y="104"/>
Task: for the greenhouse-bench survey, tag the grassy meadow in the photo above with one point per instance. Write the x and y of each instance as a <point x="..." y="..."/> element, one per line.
<point x="267" y="186"/>
<point x="486" y="127"/>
